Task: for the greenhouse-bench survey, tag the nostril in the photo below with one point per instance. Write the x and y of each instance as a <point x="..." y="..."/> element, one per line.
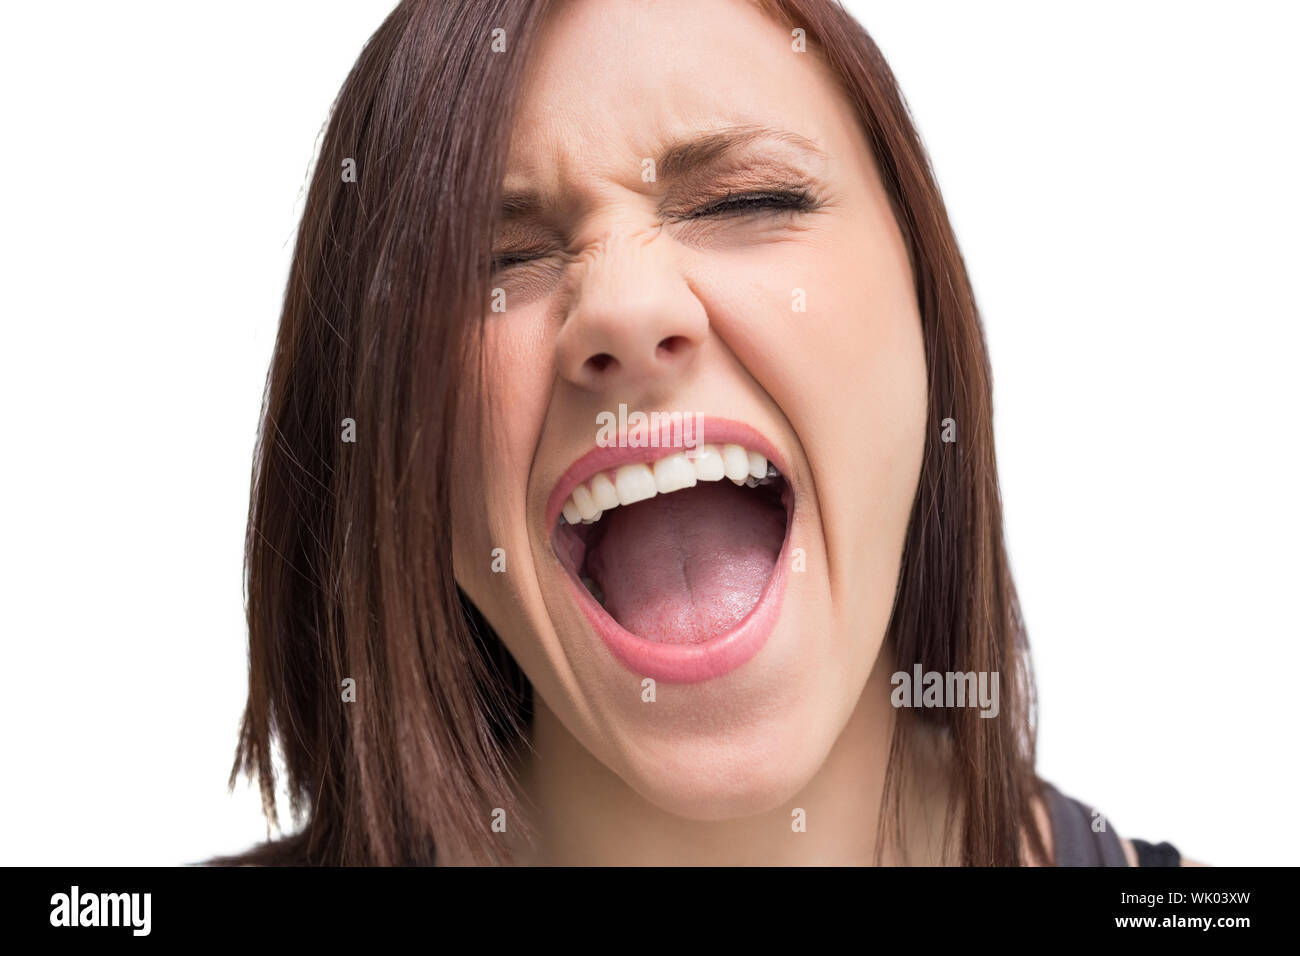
<point x="673" y="344"/>
<point x="601" y="362"/>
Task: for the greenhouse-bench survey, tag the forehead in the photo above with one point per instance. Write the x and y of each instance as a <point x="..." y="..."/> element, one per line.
<point x="612" y="82"/>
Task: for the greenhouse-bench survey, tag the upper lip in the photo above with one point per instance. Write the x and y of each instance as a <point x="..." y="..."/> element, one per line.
<point x="715" y="431"/>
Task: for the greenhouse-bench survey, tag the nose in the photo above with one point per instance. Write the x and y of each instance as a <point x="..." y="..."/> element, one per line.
<point x="634" y="322"/>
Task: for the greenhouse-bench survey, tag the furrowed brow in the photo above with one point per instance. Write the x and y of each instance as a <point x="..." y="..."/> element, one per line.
<point x="678" y="161"/>
<point x="687" y="156"/>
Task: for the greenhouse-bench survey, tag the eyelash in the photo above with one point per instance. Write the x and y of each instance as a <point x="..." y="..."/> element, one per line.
<point x="767" y="200"/>
<point x="506" y="260"/>
<point x="732" y="204"/>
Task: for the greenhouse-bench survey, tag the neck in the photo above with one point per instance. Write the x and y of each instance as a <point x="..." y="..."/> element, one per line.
<point x="584" y="814"/>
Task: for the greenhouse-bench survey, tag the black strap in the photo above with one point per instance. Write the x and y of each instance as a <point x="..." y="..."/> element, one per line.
<point x="1156" y="854"/>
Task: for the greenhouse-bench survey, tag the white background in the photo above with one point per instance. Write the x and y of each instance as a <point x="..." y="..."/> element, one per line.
<point x="1122" y="179"/>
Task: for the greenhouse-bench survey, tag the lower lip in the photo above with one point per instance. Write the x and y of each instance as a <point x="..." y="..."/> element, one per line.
<point x="692" y="663"/>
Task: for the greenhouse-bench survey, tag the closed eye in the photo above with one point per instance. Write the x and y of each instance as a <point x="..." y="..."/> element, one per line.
<point x="505" y="260"/>
<point x="730" y="204"/>
<point x="767" y="200"/>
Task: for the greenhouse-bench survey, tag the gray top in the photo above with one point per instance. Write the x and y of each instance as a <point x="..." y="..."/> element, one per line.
<point x="1082" y="835"/>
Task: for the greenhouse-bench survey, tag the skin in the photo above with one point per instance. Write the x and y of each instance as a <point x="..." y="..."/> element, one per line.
<point x="697" y="315"/>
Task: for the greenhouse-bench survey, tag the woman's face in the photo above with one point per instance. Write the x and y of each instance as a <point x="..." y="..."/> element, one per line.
<point x="696" y="226"/>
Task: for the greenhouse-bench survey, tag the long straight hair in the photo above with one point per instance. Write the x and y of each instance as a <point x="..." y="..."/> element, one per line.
<point x="348" y="571"/>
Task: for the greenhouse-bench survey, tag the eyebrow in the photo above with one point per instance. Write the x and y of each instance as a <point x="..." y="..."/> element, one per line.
<point x="680" y="159"/>
<point x="686" y="156"/>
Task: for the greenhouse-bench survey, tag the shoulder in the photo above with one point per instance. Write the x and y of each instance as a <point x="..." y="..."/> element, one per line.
<point x="1078" y="834"/>
<point x="1143" y="853"/>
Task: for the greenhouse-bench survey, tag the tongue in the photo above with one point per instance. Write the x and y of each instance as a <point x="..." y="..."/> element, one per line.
<point x="688" y="566"/>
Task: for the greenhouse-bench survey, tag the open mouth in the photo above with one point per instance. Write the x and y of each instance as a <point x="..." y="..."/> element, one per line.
<point x="677" y="550"/>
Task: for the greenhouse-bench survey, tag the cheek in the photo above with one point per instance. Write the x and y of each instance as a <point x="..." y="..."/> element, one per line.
<point x="828" y="326"/>
<point x="873" y="349"/>
<point x="831" y="330"/>
<point x="871" y="346"/>
<point x="497" y="430"/>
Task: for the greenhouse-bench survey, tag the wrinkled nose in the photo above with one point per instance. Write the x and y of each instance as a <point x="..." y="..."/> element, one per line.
<point x="634" y="322"/>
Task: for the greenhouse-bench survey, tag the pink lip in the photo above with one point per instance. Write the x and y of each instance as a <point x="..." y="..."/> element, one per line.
<point x="682" y="663"/>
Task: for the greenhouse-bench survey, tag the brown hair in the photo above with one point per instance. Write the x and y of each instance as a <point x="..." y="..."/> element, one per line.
<point x="348" y="550"/>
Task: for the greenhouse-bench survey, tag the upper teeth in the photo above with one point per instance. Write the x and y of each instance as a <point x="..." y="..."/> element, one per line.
<point x="632" y="483"/>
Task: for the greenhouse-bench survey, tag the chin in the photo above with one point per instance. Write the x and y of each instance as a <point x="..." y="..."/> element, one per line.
<point x="757" y="771"/>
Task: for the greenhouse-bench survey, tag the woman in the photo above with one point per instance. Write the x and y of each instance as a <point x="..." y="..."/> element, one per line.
<point x="626" y="489"/>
